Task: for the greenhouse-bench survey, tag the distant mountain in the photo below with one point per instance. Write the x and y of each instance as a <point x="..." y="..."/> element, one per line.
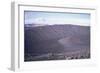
<point x="56" y="39"/>
<point x="39" y="25"/>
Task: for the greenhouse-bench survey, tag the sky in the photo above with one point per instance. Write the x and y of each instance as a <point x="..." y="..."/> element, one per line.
<point x="51" y="18"/>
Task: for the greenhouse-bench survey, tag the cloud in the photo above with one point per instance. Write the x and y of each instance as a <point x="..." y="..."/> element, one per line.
<point x="51" y="21"/>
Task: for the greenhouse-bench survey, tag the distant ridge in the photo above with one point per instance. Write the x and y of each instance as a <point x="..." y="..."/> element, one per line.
<point x="37" y="25"/>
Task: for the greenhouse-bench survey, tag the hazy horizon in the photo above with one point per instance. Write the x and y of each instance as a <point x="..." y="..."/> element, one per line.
<point x="51" y="18"/>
